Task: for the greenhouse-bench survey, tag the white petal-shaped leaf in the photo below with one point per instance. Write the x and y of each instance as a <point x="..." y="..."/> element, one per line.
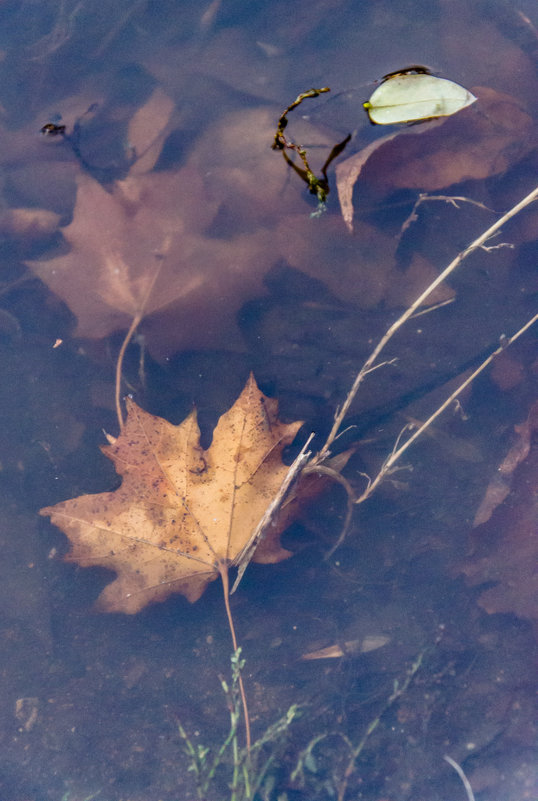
<point x="409" y="97"/>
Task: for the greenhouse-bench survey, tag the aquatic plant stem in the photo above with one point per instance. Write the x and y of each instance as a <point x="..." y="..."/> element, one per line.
<point x="368" y="366"/>
<point x="397" y="692"/>
<point x="316" y="186"/>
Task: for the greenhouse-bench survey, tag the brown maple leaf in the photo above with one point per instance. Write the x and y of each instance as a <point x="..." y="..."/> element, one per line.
<point x="182" y="514"/>
<point x="138" y="249"/>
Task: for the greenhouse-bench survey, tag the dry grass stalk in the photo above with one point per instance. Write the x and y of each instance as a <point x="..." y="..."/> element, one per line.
<point x="478" y="243"/>
<point x="317" y="462"/>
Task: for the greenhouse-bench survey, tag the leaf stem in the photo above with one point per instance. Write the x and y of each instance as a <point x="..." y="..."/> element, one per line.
<point x="223" y="570"/>
<point x="160" y="256"/>
<point x="119" y="366"/>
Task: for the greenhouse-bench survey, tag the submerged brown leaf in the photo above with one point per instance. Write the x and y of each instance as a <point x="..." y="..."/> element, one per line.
<point x="500" y="485"/>
<point x="506" y="545"/>
<point x="136" y="250"/>
<point x="347" y="174"/>
<point x="143" y="248"/>
<point x="481" y="141"/>
<point x="475" y="144"/>
<point x="182" y="514"/>
<point x="147" y="130"/>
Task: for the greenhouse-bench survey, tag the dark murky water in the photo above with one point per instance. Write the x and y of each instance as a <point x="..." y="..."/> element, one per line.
<point x="90" y="702"/>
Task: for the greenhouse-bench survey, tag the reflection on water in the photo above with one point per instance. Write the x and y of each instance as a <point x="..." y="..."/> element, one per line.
<point x="169" y="112"/>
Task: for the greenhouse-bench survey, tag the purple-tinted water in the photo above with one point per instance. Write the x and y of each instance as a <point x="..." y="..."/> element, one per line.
<point x="170" y="110"/>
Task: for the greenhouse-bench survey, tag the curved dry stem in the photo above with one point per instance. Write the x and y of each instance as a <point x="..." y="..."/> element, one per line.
<point x="367" y="367"/>
<point x="339" y="478"/>
<point x="463" y="777"/>
<point x="452" y="200"/>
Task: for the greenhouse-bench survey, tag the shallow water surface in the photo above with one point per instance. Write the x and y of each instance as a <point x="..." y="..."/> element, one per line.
<point x="162" y="199"/>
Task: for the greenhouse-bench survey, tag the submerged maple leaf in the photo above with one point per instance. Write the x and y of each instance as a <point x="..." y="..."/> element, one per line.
<point x="141" y="248"/>
<point x="138" y="249"/>
<point x="182" y="514"/>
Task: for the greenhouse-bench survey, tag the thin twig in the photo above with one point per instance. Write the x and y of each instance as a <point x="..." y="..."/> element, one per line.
<point x="242" y="560"/>
<point x="367" y="367"/>
<point x="389" y="463"/>
<point x="452" y="200"/>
